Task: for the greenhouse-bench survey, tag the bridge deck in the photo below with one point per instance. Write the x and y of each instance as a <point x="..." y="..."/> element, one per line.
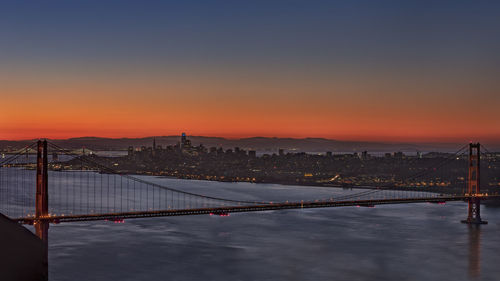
<point x="246" y="208"/>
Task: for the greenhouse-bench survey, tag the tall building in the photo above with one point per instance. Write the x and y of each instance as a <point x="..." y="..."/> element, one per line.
<point x="185" y="143"/>
<point x="153" y="149"/>
<point x="183" y="138"/>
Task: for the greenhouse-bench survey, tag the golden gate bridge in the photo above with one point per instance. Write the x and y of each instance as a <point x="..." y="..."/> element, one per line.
<point x="40" y="191"/>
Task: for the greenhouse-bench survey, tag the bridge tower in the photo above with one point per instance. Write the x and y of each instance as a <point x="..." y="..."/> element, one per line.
<point x="42" y="200"/>
<point x="42" y="195"/>
<point x="473" y="185"/>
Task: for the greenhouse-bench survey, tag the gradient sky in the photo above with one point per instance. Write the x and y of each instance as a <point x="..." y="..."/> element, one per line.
<point x="365" y="70"/>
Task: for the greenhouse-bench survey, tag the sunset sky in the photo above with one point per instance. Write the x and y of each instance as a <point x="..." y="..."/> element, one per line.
<point x="353" y="70"/>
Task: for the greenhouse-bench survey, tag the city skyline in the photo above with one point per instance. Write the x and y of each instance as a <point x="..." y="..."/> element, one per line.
<point x="390" y="71"/>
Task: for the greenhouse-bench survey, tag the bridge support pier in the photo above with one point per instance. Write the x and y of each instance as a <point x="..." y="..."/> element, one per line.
<point x="473" y="185"/>
<point x="42" y="199"/>
<point x="474" y="216"/>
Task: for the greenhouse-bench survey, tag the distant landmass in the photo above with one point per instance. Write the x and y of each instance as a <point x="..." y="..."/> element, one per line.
<point x="260" y="144"/>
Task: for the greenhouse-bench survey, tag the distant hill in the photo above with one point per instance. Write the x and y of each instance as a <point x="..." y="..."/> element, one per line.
<point x="261" y="144"/>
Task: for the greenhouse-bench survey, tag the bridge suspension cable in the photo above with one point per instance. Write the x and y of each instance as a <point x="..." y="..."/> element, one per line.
<point x="102" y="168"/>
<point x="97" y="188"/>
<point x="364" y="193"/>
<point x="15" y="156"/>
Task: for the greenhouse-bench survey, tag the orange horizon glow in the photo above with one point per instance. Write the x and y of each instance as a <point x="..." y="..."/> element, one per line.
<point x="233" y="106"/>
<point x="114" y="131"/>
<point x="234" y="126"/>
<point x="381" y="139"/>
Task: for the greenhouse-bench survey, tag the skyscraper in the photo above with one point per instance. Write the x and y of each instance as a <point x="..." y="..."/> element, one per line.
<point x="183" y="138"/>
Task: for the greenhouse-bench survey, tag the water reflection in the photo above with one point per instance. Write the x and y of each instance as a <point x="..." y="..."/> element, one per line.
<point x="348" y="243"/>
<point x="474" y="251"/>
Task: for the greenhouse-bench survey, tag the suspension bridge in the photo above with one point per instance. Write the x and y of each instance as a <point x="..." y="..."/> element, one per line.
<point x="30" y="180"/>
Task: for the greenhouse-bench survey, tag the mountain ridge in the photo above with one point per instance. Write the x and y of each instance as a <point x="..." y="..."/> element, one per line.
<point x="258" y="143"/>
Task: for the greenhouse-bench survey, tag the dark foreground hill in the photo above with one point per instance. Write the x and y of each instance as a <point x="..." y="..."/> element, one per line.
<point x="21" y="254"/>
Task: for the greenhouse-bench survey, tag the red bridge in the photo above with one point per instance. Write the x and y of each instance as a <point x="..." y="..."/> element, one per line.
<point x="97" y="192"/>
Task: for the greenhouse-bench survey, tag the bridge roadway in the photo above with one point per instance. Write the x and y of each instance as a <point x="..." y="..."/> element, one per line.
<point x="247" y="208"/>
